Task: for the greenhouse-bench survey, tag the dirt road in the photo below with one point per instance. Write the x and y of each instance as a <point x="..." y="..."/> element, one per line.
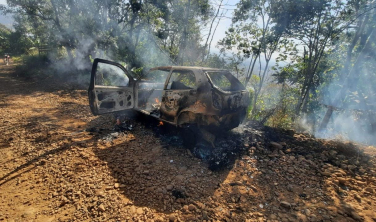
<point x="60" y="163"/>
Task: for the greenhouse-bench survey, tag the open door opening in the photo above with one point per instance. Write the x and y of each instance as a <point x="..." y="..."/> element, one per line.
<point x="111" y="88"/>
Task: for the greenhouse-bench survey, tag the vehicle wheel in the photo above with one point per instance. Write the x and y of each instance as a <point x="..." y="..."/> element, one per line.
<point x="190" y="135"/>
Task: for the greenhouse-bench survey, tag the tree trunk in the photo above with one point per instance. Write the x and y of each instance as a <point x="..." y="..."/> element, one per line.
<point x="250" y="70"/>
<point x="339" y="95"/>
<point x="351" y="74"/>
<point x="183" y="44"/>
<point x="210" y="30"/>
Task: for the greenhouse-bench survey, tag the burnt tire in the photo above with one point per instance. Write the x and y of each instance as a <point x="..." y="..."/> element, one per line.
<point x="190" y="135"/>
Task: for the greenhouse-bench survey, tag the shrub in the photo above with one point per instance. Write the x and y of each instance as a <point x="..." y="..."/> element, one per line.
<point x="33" y="67"/>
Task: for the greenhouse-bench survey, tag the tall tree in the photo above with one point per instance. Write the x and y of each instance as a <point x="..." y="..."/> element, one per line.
<point x="313" y="23"/>
<point x="253" y="34"/>
<point x="355" y="78"/>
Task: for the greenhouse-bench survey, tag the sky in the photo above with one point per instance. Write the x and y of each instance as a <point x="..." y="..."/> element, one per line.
<point x="5" y="19"/>
<point x="228" y="6"/>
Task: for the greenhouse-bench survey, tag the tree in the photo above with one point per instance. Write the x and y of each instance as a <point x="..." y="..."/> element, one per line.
<point x="4" y="38"/>
<point x="254" y="36"/>
<point x="314" y="24"/>
<point x="361" y="38"/>
<point x="126" y="30"/>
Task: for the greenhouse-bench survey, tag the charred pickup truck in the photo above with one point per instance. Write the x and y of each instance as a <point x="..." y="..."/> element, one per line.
<point x="202" y="98"/>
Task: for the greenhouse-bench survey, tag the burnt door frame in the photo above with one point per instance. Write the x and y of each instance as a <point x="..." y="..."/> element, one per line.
<point x="173" y="104"/>
<point x="122" y="96"/>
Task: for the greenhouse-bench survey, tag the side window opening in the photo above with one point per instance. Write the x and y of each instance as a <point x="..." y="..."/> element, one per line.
<point x="158" y="76"/>
<point x="182" y="80"/>
<point x="110" y="75"/>
<point x="225" y="81"/>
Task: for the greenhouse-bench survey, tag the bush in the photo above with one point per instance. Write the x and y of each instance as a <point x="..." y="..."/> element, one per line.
<point x="33" y="67"/>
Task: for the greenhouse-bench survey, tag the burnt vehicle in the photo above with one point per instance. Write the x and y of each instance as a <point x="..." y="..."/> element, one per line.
<point x="204" y="99"/>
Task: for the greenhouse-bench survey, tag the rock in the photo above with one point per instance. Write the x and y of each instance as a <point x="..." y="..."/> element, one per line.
<point x="169" y="187"/>
<point x="291" y="170"/>
<point x="332" y="153"/>
<point x="101" y="208"/>
<point x="285" y="204"/>
<point x="313" y="218"/>
<point x="355" y="216"/>
<point x="180" y="177"/>
<point x="100" y="193"/>
<point x="139" y="210"/>
<point x="342" y="180"/>
<point x="115" y="135"/>
<point x="290" y="187"/>
<point x="64" y="201"/>
<point x="183" y="168"/>
<point x="185" y="208"/>
<point x="362" y="171"/>
<point x="171" y="218"/>
<point x="117" y="185"/>
<point x="301" y="158"/>
<point x="205" y="215"/>
<point x="301" y="217"/>
<point x="200" y="205"/>
<point x="326" y="173"/>
<point x="357" y="198"/>
<point x="132" y="210"/>
<point x="274" y="154"/>
<point x="369" y="189"/>
<point x="191" y="207"/>
<point x="276" y="145"/>
<point x="307" y="212"/>
<point x="273" y="217"/>
<point x="55" y="194"/>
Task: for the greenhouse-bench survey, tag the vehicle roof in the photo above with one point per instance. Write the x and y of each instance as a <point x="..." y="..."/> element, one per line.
<point x="168" y="68"/>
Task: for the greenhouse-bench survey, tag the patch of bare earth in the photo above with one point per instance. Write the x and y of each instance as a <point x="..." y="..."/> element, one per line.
<point x="60" y="163"/>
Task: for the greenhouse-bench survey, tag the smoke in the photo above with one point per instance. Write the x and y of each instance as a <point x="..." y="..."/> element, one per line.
<point x="353" y="96"/>
<point x="98" y="34"/>
<point x="349" y="125"/>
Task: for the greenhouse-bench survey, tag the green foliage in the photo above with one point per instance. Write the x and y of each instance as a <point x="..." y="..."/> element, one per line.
<point x="138" y="72"/>
<point x="250" y="107"/>
<point x="33" y="67"/>
<point x="139" y="32"/>
<point x="5" y="34"/>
